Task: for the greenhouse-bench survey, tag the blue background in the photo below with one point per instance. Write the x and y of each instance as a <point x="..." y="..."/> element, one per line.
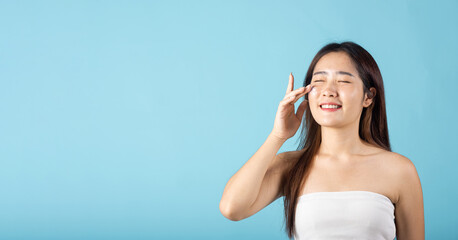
<point x="125" y="119"/>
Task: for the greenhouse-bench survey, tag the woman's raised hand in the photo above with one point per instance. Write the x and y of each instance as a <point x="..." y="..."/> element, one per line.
<point x="286" y="121"/>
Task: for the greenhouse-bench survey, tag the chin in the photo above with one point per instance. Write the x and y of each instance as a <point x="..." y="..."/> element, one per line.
<point x="330" y="123"/>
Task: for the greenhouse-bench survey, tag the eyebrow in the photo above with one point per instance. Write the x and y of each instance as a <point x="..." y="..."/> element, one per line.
<point x="338" y="72"/>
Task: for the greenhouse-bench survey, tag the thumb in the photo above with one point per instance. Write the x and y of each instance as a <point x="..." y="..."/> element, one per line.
<point x="301" y="109"/>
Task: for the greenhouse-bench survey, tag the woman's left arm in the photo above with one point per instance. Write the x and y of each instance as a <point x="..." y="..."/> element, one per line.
<point x="409" y="211"/>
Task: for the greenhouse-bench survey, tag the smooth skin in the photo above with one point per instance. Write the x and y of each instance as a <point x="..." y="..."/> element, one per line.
<point x="343" y="162"/>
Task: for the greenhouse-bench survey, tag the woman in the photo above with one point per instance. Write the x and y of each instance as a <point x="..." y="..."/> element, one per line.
<point x="343" y="182"/>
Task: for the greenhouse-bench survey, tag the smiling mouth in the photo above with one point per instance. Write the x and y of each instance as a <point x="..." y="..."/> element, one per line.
<point x="327" y="107"/>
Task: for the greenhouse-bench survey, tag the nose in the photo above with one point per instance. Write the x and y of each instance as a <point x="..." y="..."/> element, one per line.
<point x="329" y="89"/>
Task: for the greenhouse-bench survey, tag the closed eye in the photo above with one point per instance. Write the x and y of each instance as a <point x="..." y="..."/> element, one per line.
<point x="339" y="81"/>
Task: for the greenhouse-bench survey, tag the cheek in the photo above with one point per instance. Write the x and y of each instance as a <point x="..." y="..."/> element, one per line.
<point x="348" y="94"/>
<point x="314" y="92"/>
<point x="312" y="96"/>
<point x="352" y="98"/>
<point x="351" y="94"/>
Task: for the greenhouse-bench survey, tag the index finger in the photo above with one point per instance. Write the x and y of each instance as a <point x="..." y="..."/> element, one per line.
<point x="290" y="83"/>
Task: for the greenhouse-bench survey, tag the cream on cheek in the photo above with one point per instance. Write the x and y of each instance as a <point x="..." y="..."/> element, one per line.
<point x="313" y="92"/>
<point x="314" y="98"/>
<point x="313" y="95"/>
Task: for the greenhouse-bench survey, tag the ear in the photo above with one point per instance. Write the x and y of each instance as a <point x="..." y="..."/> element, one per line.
<point x="368" y="98"/>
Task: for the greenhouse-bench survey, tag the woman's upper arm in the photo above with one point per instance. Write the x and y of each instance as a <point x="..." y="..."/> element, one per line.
<point x="409" y="211"/>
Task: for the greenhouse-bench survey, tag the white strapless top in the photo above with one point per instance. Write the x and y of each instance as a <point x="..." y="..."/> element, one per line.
<point x="344" y="215"/>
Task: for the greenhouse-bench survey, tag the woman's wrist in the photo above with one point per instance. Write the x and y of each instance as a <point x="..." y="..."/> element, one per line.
<point x="277" y="138"/>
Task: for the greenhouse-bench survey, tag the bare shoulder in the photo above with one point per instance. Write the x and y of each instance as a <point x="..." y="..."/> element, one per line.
<point x="409" y="210"/>
<point x="401" y="164"/>
<point x="404" y="174"/>
<point x="395" y="161"/>
<point x="407" y="172"/>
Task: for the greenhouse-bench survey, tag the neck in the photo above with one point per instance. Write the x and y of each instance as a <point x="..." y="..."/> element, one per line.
<point x="341" y="143"/>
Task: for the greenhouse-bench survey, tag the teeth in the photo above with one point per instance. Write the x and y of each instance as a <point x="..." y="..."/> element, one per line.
<point x="330" y="106"/>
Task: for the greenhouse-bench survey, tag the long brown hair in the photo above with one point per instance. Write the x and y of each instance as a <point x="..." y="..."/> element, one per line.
<point x="372" y="125"/>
